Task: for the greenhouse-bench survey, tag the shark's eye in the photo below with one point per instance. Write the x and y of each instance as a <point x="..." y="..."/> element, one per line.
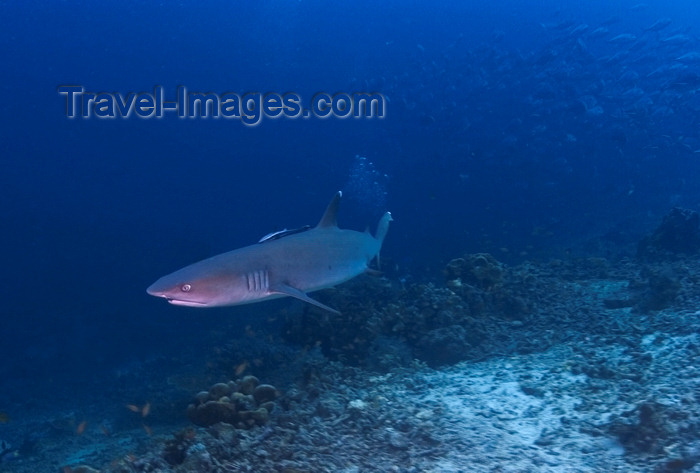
<point x="186" y="288"/>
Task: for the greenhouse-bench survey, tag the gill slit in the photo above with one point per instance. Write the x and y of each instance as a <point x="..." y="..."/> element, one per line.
<point x="258" y="281"/>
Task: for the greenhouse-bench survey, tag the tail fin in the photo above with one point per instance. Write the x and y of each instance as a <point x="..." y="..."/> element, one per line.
<point x="382" y="229"/>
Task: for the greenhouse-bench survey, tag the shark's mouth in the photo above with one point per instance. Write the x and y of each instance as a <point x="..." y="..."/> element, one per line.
<point x="185" y="302"/>
<point x="172" y="300"/>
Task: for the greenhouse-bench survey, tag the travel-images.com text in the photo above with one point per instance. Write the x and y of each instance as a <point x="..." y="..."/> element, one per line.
<point x="249" y="108"/>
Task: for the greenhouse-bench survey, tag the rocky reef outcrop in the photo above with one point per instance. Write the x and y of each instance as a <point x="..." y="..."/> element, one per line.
<point x="678" y="233"/>
<point x="244" y="403"/>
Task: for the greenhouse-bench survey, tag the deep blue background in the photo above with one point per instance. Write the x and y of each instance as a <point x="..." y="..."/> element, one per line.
<point x="95" y="210"/>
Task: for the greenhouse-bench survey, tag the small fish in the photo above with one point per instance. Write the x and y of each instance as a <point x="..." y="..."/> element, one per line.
<point x="146" y="409"/>
<point x="148" y="430"/>
<point x="689" y="58"/>
<point x="559" y="26"/>
<point x="611" y="20"/>
<point x="81" y="428"/>
<point x="577" y="30"/>
<point x="659" y="24"/>
<point x="241" y="368"/>
<point x="105" y="431"/>
<point x="598" y="32"/>
<point x="677" y="39"/>
<point x="623" y="38"/>
<point x="133" y="407"/>
<point x="249" y="332"/>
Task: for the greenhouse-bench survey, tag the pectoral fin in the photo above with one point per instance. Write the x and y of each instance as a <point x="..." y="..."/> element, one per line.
<point x="294" y="292"/>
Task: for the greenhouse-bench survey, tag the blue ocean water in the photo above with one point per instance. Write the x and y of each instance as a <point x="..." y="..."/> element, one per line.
<point x="520" y="128"/>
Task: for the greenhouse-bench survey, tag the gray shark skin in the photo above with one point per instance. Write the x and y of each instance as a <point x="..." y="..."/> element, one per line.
<point x="291" y="265"/>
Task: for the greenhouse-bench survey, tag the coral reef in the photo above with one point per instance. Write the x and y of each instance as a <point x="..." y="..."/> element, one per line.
<point x="481" y="298"/>
<point x="595" y="405"/>
<point x="486" y="308"/>
<point x="581" y="364"/>
<point x="656" y="289"/>
<point x="679" y="232"/>
<point x="486" y="286"/>
<point x="648" y="431"/>
<point x="656" y="430"/>
<point x="244" y="404"/>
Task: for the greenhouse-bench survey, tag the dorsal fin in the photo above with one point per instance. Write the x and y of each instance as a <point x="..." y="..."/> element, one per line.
<point x="329" y="218"/>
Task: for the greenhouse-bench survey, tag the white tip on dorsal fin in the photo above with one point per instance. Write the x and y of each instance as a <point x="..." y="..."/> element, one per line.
<point x="329" y="218"/>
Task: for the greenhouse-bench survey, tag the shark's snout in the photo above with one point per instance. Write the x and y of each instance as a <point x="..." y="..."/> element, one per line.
<point x="153" y="292"/>
<point x="156" y="290"/>
<point x="173" y="294"/>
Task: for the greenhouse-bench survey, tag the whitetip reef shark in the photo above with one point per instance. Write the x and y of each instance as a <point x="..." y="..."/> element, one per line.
<point x="287" y="263"/>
